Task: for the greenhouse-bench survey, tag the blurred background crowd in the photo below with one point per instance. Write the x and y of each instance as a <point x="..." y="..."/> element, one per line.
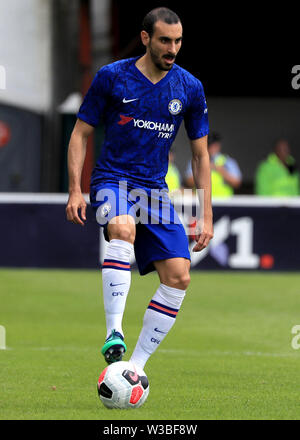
<point x="51" y="49"/>
<point x="277" y="175"/>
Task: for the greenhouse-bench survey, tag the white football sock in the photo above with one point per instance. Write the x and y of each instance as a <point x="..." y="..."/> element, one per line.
<point x="116" y="278"/>
<point x="158" y="321"/>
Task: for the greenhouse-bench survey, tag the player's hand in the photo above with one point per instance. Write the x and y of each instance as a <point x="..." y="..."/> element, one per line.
<point x="204" y="237"/>
<point x="75" y="204"/>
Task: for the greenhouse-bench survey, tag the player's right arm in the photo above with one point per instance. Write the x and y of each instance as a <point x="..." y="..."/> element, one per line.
<point x="89" y="115"/>
<point x="76" y="156"/>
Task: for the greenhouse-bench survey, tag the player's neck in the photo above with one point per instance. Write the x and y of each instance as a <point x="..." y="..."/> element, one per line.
<point x="149" y="70"/>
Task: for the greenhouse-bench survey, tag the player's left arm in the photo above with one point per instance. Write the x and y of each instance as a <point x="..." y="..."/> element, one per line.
<point x="201" y="173"/>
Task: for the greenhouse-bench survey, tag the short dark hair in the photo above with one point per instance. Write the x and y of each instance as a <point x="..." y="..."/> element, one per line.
<point x="213" y="137"/>
<point x="163" y="14"/>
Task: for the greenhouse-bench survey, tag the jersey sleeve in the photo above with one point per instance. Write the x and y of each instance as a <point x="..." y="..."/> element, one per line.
<point x="196" y="118"/>
<point x="95" y="100"/>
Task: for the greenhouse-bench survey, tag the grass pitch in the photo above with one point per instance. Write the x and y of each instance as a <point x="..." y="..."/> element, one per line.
<point x="228" y="356"/>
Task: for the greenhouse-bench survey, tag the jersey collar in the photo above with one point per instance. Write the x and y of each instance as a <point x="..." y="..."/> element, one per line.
<point x="146" y="80"/>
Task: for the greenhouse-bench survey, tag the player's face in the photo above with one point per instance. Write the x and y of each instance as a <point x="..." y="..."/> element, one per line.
<point x="165" y="44"/>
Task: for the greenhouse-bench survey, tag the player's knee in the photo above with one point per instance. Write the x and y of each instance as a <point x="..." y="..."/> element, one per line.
<point x="184" y="281"/>
<point x="122" y="232"/>
<point x="179" y="281"/>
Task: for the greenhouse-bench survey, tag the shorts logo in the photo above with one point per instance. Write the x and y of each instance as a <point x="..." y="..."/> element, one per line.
<point x="105" y="209"/>
<point x="175" y="106"/>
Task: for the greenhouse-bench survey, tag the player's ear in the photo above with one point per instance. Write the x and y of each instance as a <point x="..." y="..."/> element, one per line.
<point x="145" y="38"/>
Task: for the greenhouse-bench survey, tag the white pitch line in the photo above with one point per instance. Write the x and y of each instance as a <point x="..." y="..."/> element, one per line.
<point x="228" y="353"/>
<point x="195" y="353"/>
<point x="66" y="348"/>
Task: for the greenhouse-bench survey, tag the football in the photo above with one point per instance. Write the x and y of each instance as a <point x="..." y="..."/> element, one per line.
<point x="123" y="385"/>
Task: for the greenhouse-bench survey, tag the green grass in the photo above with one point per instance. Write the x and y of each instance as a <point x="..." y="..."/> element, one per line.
<point x="229" y="355"/>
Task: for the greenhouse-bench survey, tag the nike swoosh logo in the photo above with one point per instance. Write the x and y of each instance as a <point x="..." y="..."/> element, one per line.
<point x="113" y="285"/>
<point x="129" y="100"/>
<point x="159" y="331"/>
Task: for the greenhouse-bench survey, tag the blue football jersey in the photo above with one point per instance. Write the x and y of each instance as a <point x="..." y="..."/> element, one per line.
<point x="141" y="120"/>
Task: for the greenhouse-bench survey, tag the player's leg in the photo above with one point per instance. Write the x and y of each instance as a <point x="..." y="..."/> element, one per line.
<point x="116" y="278"/>
<point x="161" y="313"/>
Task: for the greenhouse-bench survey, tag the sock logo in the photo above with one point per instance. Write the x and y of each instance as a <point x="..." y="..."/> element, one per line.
<point x="118" y="293"/>
<point x="114" y="285"/>
<point x="159" y="331"/>
<point x="156" y="341"/>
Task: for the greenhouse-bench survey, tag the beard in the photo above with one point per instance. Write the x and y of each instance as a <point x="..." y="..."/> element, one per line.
<point x="158" y="60"/>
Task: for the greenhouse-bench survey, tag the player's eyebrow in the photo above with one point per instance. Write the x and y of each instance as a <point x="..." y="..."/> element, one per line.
<point x="170" y="39"/>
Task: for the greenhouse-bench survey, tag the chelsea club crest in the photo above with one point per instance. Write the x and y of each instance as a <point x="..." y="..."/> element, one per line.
<point x="175" y="106"/>
<point x="105" y="209"/>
